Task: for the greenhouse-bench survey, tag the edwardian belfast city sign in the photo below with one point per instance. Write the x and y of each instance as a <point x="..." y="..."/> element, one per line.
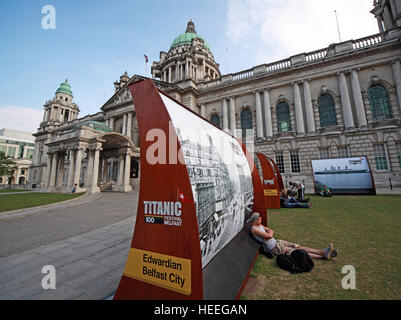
<point x="198" y="188"/>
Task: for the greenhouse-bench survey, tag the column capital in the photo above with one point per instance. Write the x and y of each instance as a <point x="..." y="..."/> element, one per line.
<point x="395" y="61"/>
<point x="356" y="69"/>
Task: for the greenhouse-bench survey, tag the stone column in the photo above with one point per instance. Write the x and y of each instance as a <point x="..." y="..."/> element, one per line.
<point x="112" y="124"/>
<point x="77" y="171"/>
<point x="380" y="24"/>
<point x="124" y="125"/>
<point x="233" y="123"/>
<point x="71" y="169"/>
<point x="345" y="101"/>
<point x="53" y="172"/>
<point x="169" y="75"/>
<point x="387" y="18"/>
<point x="259" y="119"/>
<point x="299" y="117"/>
<point x="397" y="79"/>
<point x="60" y="178"/>
<point x="89" y="169"/>
<point x="94" y="188"/>
<point x="203" y="110"/>
<point x="310" y="119"/>
<point x="129" y="125"/>
<point x="268" y="115"/>
<point x="127" y="186"/>
<point x="225" y="115"/>
<point x="357" y="94"/>
<point x="45" y="115"/>
<point x="48" y="168"/>
<point x="120" y="179"/>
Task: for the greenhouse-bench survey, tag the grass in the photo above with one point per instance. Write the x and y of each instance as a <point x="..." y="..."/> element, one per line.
<point x="365" y="231"/>
<point x="13" y="190"/>
<point x="28" y="200"/>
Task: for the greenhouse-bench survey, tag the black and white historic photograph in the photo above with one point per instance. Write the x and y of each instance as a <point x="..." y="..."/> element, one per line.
<point x="220" y="178"/>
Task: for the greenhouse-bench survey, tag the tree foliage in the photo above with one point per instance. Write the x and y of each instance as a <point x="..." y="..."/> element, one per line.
<point x="6" y="165"/>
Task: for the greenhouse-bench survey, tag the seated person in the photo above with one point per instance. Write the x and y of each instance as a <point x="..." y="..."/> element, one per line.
<point x="264" y="235"/>
<point x="289" y="202"/>
<point x="299" y="188"/>
<point x="325" y="192"/>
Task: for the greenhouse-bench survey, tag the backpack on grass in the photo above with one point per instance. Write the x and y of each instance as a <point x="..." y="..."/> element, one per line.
<point x="298" y="261"/>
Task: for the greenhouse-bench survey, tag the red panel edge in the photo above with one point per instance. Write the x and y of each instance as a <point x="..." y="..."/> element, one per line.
<point x="268" y="172"/>
<point x="160" y="182"/>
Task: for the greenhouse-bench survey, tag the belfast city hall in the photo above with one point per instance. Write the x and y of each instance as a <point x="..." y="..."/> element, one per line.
<point x="341" y="101"/>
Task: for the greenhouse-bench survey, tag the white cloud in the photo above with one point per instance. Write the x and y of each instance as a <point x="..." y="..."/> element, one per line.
<point x="20" y="118"/>
<point x="275" y="29"/>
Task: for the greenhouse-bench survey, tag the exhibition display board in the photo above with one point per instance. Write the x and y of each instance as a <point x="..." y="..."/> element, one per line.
<point x="271" y="187"/>
<point x="344" y="176"/>
<point x="198" y="188"/>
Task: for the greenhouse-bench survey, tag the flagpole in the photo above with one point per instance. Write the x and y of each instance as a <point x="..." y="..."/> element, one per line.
<point x="338" y="27"/>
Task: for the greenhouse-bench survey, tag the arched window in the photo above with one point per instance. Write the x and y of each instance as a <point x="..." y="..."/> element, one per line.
<point x="283" y="117"/>
<point x="246" y="121"/>
<point x="215" y="120"/>
<point x="327" y="111"/>
<point x="379" y="102"/>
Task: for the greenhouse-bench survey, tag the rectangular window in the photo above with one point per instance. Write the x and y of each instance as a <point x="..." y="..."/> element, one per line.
<point x="399" y="153"/>
<point x="11" y="152"/>
<point x="380" y="156"/>
<point x="324" y="153"/>
<point x="343" y="152"/>
<point x="280" y="161"/>
<point x="295" y="163"/>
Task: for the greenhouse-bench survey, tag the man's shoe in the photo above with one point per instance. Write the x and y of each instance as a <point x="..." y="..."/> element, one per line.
<point x="333" y="253"/>
<point x="328" y="251"/>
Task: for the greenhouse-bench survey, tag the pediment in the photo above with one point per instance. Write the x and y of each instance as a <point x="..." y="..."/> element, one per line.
<point x="121" y="97"/>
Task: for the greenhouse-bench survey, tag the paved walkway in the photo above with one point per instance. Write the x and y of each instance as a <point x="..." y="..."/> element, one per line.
<point x="29" y="229"/>
<point x="88" y="266"/>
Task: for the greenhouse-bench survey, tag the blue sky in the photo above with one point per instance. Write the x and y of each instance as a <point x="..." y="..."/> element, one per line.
<point x="96" y="41"/>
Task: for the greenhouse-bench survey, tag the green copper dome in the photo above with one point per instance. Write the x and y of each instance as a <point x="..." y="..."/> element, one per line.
<point x="65" y="88"/>
<point x="186" y="38"/>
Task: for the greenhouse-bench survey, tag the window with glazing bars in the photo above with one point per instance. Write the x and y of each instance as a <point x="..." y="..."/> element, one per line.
<point x="295" y="163"/>
<point x="327" y="111"/>
<point x="280" y="161"/>
<point x="283" y="117"/>
<point x="380" y="156"/>
<point x="399" y="153"/>
<point x="343" y="152"/>
<point x="215" y="120"/>
<point x="246" y="121"/>
<point x="379" y="103"/>
<point x="324" y="153"/>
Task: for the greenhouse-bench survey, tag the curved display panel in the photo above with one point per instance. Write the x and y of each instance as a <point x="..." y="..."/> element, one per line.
<point x="198" y="187"/>
<point x="220" y="178"/>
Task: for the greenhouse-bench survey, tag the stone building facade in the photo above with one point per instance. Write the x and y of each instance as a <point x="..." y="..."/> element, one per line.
<point x="343" y="100"/>
<point x="19" y="147"/>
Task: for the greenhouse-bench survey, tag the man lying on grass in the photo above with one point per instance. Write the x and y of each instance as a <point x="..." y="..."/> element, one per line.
<point x="264" y="235"/>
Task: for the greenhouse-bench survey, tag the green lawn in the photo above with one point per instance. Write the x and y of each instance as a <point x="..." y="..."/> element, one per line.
<point x="27" y="200"/>
<point x="365" y="230"/>
<point x="13" y="190"/>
